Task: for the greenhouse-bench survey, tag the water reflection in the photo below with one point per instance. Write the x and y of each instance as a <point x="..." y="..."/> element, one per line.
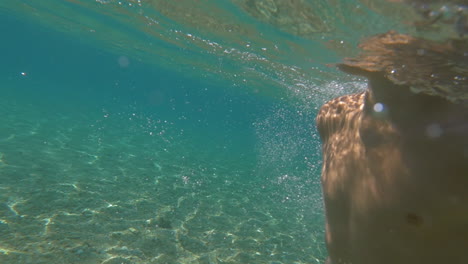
<point x="301" y="18"/>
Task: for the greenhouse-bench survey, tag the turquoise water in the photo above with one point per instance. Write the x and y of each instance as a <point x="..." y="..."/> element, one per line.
<point x="154" y="132"/>
<point x="143" y="163"/>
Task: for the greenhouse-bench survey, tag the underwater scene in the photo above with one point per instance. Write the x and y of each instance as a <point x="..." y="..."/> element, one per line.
<point x="162" y="131"/>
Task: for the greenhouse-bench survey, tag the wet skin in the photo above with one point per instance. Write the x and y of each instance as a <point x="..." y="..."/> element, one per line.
<point x="395" y="176"/>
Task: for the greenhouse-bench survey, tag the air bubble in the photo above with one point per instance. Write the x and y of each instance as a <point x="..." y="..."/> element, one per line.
<point x="434" y="130"/>
<point x="123" y="61"/>
<point x="378" y="107"/>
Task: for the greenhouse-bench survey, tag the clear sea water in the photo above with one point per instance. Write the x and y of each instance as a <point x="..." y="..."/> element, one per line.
<point x="169" y="131"/>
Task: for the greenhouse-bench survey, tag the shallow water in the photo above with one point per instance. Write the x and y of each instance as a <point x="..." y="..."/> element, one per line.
<point x="169" y="131"/>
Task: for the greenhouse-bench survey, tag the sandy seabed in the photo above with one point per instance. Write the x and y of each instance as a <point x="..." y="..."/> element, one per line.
<point x="83" y="189"/>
